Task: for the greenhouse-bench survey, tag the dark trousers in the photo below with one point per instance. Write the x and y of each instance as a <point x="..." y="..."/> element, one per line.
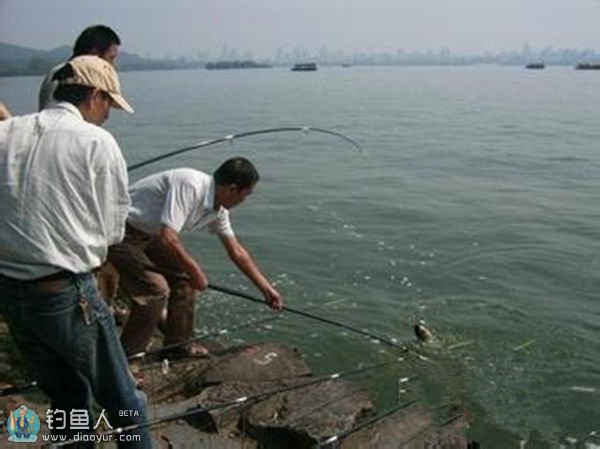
<point x="76" y="357"/>
<point x="150" y="292"/>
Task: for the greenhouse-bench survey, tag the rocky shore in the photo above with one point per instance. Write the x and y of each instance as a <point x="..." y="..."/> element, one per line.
<point x="262" y="395"/>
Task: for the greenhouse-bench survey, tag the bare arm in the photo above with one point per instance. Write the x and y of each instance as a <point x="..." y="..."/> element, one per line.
<point x="4" y="112"/>
<point x="170" y="239"/>
<point x="244" y="261"/>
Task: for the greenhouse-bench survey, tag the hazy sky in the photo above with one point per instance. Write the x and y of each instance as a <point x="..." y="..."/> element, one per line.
<point x="187" y="27"/>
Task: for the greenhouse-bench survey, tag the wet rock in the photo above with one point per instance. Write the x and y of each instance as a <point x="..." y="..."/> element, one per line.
<point x="226" y="421"/>
<point x="297" y="418"/>
<point x="184" y="378"/>
<point x="260" y="362"/>
<point x="301" y="418"/>
<point x="180" y="435"/>
<point x="413" y="428"/>
<point x="169" y="381"/>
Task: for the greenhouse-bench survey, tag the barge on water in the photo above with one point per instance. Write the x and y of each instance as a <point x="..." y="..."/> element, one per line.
<point x="535" y="66"/>
<point x="305" y="67"/>
<point x="587" y="66"/>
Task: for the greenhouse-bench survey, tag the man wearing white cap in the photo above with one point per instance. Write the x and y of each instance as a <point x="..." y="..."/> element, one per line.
<point x="63" y="190"/>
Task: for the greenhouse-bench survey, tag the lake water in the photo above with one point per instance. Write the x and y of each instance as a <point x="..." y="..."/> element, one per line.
<point x="474" y="207"/>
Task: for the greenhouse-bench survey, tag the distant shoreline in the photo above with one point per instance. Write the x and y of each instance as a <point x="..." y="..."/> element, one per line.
<point x="7" y="73"/>
<point x="16" y="60"/>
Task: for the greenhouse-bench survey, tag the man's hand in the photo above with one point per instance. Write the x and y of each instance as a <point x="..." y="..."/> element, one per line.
<point x="170" y="239"/>
<point x="273" y="298"/>
<point x="198" y="280"/>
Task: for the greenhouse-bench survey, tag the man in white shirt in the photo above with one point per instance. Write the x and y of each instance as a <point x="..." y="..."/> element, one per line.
<point x="162" y="206"/>
<point x="63" y="191"/>
<point x="97" y="40"/>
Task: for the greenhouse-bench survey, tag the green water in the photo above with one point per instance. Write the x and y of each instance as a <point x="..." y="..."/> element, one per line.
<point x="475" y="208"/>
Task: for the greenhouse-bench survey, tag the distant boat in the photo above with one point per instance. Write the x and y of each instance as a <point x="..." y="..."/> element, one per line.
<point x="587" y="66"/>
<point x="535" y="65"/>
<point x="305" y="67"/>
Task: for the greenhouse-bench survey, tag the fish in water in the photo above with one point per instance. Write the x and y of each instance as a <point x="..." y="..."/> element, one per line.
<point x="423" y="334"/>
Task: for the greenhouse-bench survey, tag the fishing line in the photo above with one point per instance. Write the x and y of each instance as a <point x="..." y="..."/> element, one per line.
<point x="232" y="137"/>
<point x="244" y="400"/>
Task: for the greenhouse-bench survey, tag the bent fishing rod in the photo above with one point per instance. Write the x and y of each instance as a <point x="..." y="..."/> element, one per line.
<point x="232" y="137"/>
<point x="243" y="295"/>
<point x="249" y="399"/>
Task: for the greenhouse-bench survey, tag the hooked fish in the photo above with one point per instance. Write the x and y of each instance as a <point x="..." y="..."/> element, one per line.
<point x="423" y="334"/>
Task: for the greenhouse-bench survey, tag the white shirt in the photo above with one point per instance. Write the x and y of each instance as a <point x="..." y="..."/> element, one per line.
<point x="63" y="193"/>
<point x="182" y="199"/>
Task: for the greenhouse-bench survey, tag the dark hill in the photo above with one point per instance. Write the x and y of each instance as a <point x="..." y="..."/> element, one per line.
<point x="16" y="60"/>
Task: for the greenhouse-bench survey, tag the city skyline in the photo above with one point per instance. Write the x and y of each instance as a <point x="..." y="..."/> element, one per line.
<point x="258" y="29"/>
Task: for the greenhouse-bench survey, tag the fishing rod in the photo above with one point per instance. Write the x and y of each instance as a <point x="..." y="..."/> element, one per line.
<point x="248" y="399"/>
<point x="18" y="390"/>
<point x="218" y="333"/>
<point x="239" y="294"/>
<point x="340" y="436"/>
<point x="387" y="341"/>
<point x="232" y="137"/>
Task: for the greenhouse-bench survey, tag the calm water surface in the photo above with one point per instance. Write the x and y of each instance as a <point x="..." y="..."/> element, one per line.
<point x="475" y="208"/>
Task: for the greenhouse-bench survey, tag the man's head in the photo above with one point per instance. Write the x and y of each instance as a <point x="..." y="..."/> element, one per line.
<point x="91" y="84"/>
<point x="235" y="180"/>
<point x="98" y="40"/>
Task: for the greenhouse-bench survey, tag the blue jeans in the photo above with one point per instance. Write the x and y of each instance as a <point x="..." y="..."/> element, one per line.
<point x="76" y="357"/>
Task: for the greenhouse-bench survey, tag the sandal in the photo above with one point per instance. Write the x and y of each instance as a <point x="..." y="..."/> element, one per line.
<point x="191" y="350"/>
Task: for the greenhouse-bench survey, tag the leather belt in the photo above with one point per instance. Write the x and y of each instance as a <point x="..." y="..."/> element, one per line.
<point x="58" y="276"/>
<point x="135" y="236"/>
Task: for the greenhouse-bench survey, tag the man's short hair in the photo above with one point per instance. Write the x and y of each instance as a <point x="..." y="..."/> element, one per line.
<point x="239" y="171"/>
<point x="96" y="38"/>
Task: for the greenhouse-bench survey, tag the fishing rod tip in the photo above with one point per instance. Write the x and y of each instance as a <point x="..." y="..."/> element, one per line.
<point x="330" y="440"/>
